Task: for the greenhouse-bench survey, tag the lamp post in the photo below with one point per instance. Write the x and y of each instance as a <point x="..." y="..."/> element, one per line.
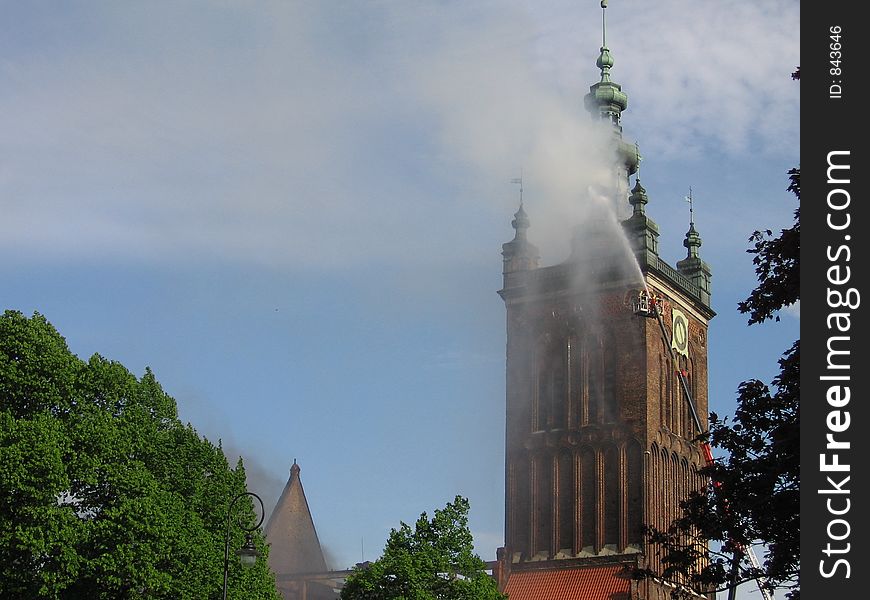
<point x="248" y="553"/>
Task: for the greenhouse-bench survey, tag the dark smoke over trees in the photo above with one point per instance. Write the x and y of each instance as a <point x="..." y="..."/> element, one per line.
<point x="756" y="497"/>
<point x="104" y="493"/>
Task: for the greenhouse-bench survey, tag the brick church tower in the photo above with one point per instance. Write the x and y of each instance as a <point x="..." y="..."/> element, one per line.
<point x="599" y="432"/>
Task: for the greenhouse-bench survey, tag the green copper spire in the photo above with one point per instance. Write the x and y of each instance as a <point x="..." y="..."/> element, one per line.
<point x="693" y="240"/>
<point x="606" y="98"/>
<point x="519" y="254"/>
<point x="520" y="223"/>
<point x="642" y="231"/>
<point x="692" y="266"/>
<point x="638" y="198"/>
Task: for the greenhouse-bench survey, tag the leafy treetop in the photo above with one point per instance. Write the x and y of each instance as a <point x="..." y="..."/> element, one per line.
<point x="104" y="493"/>
<point x="433" y="561"/>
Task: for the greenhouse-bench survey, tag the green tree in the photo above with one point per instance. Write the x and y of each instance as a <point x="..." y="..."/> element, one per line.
<point x="104" y="493"/>
<point x="757" y="491"/>
<point x="434" y="560"/>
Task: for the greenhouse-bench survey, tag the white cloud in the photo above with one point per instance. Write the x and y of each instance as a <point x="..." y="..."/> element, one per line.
<point x="312" y="134"/>
<point x="711" y="73"/>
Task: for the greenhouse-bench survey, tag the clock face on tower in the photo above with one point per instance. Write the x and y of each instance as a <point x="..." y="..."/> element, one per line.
<point x="680" y="328"/>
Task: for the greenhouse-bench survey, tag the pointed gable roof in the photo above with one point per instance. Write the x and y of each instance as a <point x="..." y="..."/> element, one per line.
<point x="294" y="547"/>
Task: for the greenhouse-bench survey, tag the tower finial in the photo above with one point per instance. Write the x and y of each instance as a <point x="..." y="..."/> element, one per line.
<point x="606" y="98"/>
<point x="693" y="240"/>
<point x="519" y="180"/>
<point x="691" y="202"/>
<point x="692" y="266"/>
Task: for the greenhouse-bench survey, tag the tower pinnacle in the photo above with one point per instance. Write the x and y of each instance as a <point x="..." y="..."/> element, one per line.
<point x="692" y="266"/>
<point x="519" y="254"/>
<point x="606" y="98"/>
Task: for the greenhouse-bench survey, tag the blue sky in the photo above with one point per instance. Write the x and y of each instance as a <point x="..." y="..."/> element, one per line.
<point x="293" y="211"/>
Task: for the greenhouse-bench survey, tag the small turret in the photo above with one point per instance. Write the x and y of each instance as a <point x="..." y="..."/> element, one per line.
<point x="519" y="254"/>
<point x="692" y="266"/>
<point x="642" y="231"/>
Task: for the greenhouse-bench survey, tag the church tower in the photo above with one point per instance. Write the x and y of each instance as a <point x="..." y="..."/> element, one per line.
<point x="604" y="351"/>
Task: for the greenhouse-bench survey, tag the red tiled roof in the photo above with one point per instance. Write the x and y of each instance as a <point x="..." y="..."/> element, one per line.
<point x="583" y="583"/>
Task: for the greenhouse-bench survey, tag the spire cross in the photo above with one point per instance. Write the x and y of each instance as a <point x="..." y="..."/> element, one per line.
<point x="603" y="23"/>
<point x="691" y="202"/>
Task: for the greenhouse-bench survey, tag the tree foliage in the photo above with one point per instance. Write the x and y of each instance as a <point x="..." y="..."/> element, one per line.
<point x="756" y="497"/>
<point x="104" y="493"/>
<point x="433" y="561"/>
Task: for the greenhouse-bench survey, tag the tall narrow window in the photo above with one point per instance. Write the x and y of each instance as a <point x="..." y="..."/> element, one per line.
<point x="663" y="391"/>
<point x="559" y="396"/>
<point x="686" y="411"/>
<point x="654" y="485"/>
<point x="667" y="487"/>
<point x="670" y="418"/>
<point x="543" y="503"/>
<point x="674" y="482"/>
<point x="574" y="411"/>
<point x="612" y="495"/>
<point x="610" y="403"/>
<point x="596" y="382"/>
<point x="543" y="384"/>
<point x="580" y="380"/>
<point x="634" y="490"/>
<point x="521" y="506"/>
<point x="551" y="393"/>
<point x="588" y="496"/>
<point x="566" y="501"/>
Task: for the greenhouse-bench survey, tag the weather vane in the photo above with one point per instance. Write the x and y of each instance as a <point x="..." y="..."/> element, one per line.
<point x="519" y="180"/>
<point x="691" y="202"/>
<point x="638" y="157"/>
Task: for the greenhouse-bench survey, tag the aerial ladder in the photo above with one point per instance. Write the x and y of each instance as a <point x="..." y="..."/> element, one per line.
<point x="650" y="305"/>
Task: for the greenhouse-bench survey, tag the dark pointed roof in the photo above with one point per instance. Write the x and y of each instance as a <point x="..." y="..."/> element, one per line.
<point x="294" y="547"/>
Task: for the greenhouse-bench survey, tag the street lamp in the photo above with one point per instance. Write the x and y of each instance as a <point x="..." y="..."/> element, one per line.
<point x="248" y="553"/>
